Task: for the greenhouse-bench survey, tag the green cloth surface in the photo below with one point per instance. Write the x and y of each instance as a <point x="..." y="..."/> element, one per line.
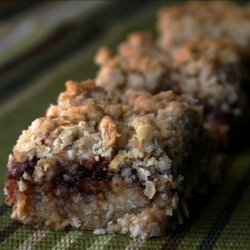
<point x="32" y="74"/>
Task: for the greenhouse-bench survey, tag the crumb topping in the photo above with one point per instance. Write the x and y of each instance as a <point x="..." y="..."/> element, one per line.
<point x="138" y="65"/>
<point x="148" y="140"/>
<point x="204" y="68"/>
<point x="210" y="71"/>
<point x="178" y="24"/>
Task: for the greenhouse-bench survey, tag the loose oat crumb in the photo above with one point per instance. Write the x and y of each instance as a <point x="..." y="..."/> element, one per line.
<point x="22" y="186"/>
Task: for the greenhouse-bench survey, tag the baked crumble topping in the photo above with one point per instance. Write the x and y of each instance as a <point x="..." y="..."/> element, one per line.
<point x="204" y="68"/>
<point x="119" y="161"/>
<point x="222" y="20"/>
<point x="124" y="152"/>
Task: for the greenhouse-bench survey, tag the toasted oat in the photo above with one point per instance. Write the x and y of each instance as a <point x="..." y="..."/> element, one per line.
<point x="138" y="65"/>
<point x="75" y="171"/>
<point x="222" y="20"/>
<point x="203" y="68"/>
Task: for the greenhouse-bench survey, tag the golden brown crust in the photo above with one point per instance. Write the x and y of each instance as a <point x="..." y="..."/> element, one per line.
<point x="223" y="20"/>
<point x="138" y="65"/>
<point x="107" y="161"/>
<point x="113" y="156"/>
<point x="87" y="112"/>
<point x="210" y="71"/>
<point x="207" y="69"/>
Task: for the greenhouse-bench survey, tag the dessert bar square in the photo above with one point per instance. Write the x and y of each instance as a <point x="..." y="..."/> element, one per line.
<point x="225" y="21"/>
<point x="109" y="163"/>
<point x="222" y="20"/>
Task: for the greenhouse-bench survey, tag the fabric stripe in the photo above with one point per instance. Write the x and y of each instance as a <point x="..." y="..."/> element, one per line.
<point x="17" y="115"/>
<point x="135" y="244"/>
<point x="201" y="227"/>
<point x="28" y="29"/>
<point x="9" y="9"/>
<point x="236" y="234"/>
<point x="36" y="237"/>
<point x="121" y="241"/>
<point x="17" y="237"/>
<point x="46" y="23"/>
<point x="155" y="243"/>
<point x="116" y="30"/>
<point x="84" y="240"/>
<point x="196" y="208"/>
<point x="176" y="236"/>
<point x="101" y="242"/>
<point x="68" y="239"/>
<point x="5" y="221"/>
<point x="3" y="209"/>
<point x="68" y="42"/>
<point x="218" y="226"/>
<point x="9" y="230"/>
<point x="42" y="59"/>
<point x="207" y="210"/>
<point x="50" y="240"/>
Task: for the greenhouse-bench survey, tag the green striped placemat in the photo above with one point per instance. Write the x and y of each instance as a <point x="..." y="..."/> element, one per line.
<point x="31" y="78"/>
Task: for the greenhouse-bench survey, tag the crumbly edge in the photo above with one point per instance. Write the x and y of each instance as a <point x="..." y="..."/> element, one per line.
<point x="207" y="69"/>
<point x="124" y="208"/>
<point x="151" y="135"/>
<point x="201" y="19"/>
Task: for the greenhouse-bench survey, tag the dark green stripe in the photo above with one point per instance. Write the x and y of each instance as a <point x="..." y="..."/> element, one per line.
<point x="3" y="209"/>
<point x="12" y="8"/>
<point x="4" y="234"/>
<point x="196" y="206"/>
<point x="78" y="35"/>
<point x="214" y="233"/>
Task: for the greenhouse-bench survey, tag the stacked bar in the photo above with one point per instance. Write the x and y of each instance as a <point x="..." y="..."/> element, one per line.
<point x="222" y="20"/>
<point x="204" y="68"/>
<point x="225" y="21"/>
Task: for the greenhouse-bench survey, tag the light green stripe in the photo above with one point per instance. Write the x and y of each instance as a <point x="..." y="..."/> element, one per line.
<point x="154" y="243"/>
<point x="135" y="243"/>
<point x="126" y="242"/>
<point x="82" y="240"/>
<point x="120" y="241"/>
<point x="50" y="240"/>
<point x="101" y="242"/>
<point x="208" y="216"/>
<point x="34" y="238"/>
<point x="69" y="239"/>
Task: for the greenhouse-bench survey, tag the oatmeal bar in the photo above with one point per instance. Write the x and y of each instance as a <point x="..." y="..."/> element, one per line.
<point x="221" y="20"/>
<point x="206" y="69"/>
<point x="109" y="163"/>
<point x="139" y="64"/>
<point x="210" y="71"/>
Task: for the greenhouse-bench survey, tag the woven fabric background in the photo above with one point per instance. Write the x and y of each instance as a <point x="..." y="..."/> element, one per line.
<point x="44" y="44"/>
